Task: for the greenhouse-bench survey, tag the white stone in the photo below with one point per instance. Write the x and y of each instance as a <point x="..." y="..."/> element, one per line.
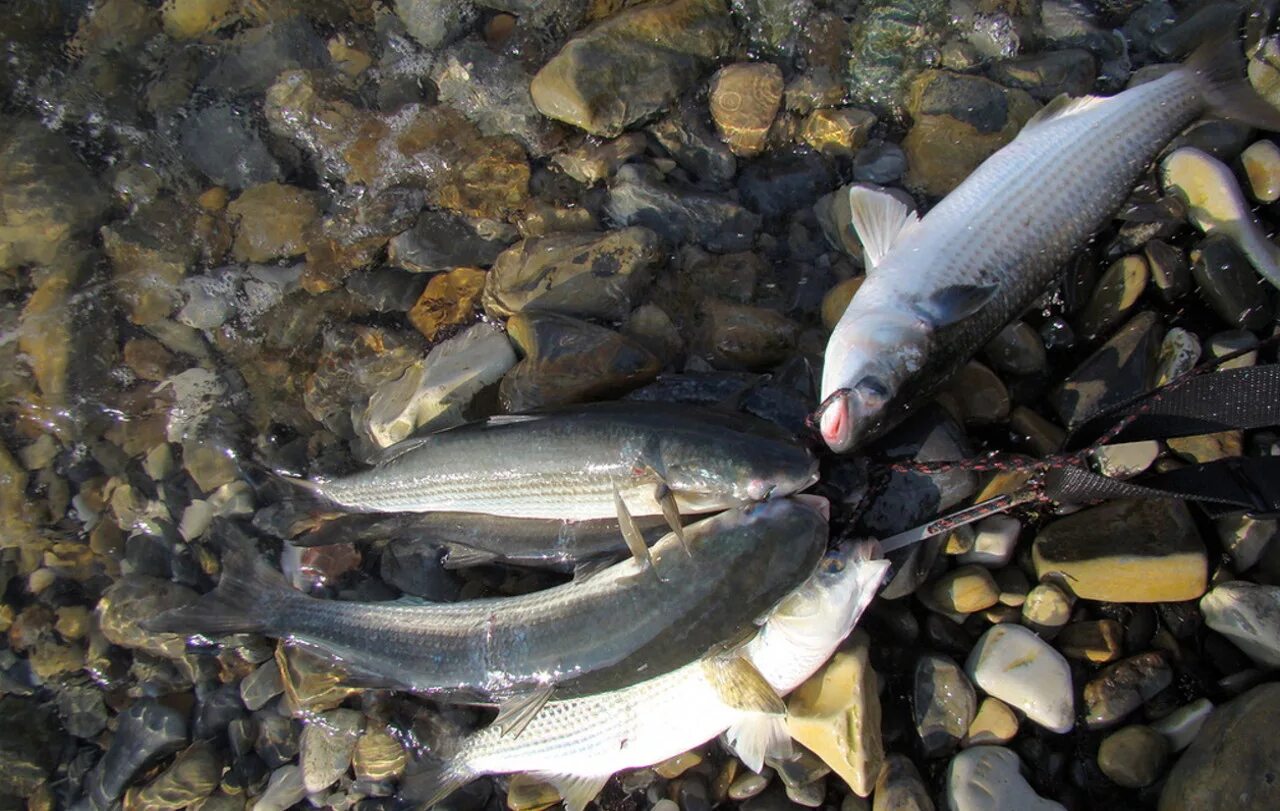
<point x="195" y="519"/>
<point x="325" y="747"/>
<point x="1249" y="615"/>
<point x="1013" y="664"/>
<point x="993" y="542"/>
<point x="1126" y="459"/>
<point x="432" y="392"/>
<point x="284" y="790"/>
<point x="987" y="778"/>
<point x="1181" y="726"/>
<point x="1245" y="538"/>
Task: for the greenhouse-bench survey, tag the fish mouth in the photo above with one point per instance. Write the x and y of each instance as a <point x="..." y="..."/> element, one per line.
<point x="834" y="421"/>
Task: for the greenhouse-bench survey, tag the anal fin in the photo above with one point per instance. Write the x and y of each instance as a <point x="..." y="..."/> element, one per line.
<point x="577" y="790"/>
<point x="671" y="512"/>
<point x="458" y="556"/>
<point x="631" y="533"/>
<point x="515" y="714"/>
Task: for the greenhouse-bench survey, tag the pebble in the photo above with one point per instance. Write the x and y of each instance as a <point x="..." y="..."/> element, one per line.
<point x="836" y="715"/>
<point x="1181" y="726"/>
<point x="191" y="777"/>
<point x="989" y="778"/>
<point x="1170" y="270"/>
<point x="744" y="99"/>
<point x="1114" y="297"/>
<point x="1249" y="615"/>
<point x="1125" y="551"/>
<point x="568" y="361"/>
<point x="1245" y="538"/>
<point x="994" y="541"/>
<point x="944" y="704"/>
<point x="958" y="121"/>
<point x="325" y="747"/>
<point x="979" y="396"/>
<point x="1123" y="687"/>
<point x="262" y="685"/>
<point x="839" y="132"/>
<point x="1134" y="756"/>
<point x="1235" y="755"/>
<point x="583" y="275"/>
<point x="632" y="64"/>
<point x="1179" y="354"/>
<point x="995" y="723"/>
<point x="146" y="731"/>
<point x="1261" y="161"/>
<point x="312" y="683"/>
<point x="748" y="784"/>
<point x="378" y="756"/>
<point x="890" y="42"/>
<point x="879" y="162"/>
<point x="1046" y="610"/>
<point x="711" y="220"/>
<point x="271" y="222"/>
<point x="129" y="600"/>
<point x="1013" y="664"/>
<point x="900" y="787"/>
<point x="778" y="184"/>
<point x="1227" y="283"/>
<point x="441" y="241"/>
<point x="1091" y="640"/>
<point x="965" y="589"/>
<point x="694" y="146"/>
<point x="1046" y="75"/>
<point x="492" y="90"/>
<point x="1125" y="460"/>
<point x="283" y="791"/>
<point x="742" y="337"/>
<point x="1017" y="349"/>
<point x="449" y="301"/>
<point x="1124" y="367"/>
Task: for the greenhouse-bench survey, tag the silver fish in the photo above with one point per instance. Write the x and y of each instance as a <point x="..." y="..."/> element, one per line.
<point x="611" y="629"/>
<point x="939" y="288"/>
<point x="577" y="744"/>
<point x="573" y="464"/>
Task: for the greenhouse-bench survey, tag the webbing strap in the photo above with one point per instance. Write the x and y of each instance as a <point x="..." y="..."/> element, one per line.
<point x="1222" y="486"/>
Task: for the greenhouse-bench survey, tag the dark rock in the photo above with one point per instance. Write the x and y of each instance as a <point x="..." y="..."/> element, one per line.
<point x="1049" y="74"/>
<point x="277" y="742"/>
<point x="891" y="41"/>
<point x="1114" y="296"/>
<point x="415" y="567"/>
<point x="1017" y="349"/>
<point x="1229" y="284"/>
<point x="1123" y="368"/>
<point x="82" y="710"/>
<point x="589" y="275"/>
<point x="146" y="731"/>
<point x="1178" y="41"/>
<point x="944" y="704"/>
<point x="386" y="290"/>
<point x="1224" y="140"/>
<point x="773" y="27"/>
<point x="632" y="64"/>
<point x="570" y="361"/>
<point x="757" y="395"/>
<point x="1170" y="270"/>
<point x="150" y="254"/>
<point x="737" y="336"/>
<point x="1234" y="755"/>
<point x="222" y="143"/>
<point x="691" y="143"/>
<point x="1123" y="687"/>
<point x="879" y="162"/>
<point x="436" y="22"/>
<point x="132" y="599"/>
<point x="191" y="777"/>
<point x="713" y="221"/>
<point x="441" y="241"/>
<point x="30" y="745"/>
<point x="778" y="184"/>
<point x="254" y="58"/>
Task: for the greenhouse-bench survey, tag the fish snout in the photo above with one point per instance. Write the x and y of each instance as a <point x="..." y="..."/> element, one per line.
<point x="835" y="422"/>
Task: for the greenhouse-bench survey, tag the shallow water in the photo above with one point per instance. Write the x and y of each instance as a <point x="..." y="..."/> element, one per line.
<point x="250" y="235"/>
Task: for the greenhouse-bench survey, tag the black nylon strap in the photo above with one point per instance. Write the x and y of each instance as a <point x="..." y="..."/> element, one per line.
<point x="1223" y="486"/>
<point x="1204" y="404"/>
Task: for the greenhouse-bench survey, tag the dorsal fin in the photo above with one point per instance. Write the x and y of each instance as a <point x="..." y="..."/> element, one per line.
<point x="879" y="219"/>
<point x="1061" y="106"/>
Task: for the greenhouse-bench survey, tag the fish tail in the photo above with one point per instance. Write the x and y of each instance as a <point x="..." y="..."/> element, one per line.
<point x="1219" y="67"/>
<point x="434" y="780"/>
<point x="246" y="600"/>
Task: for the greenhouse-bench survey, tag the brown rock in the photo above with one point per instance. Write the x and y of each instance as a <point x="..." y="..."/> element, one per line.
<point x="744" y="100"/>
<point x="738" y="336"/>
<point x="1121" y="688"/>
<point x="840" y="132"/>
<point x="449" y="301"/>
<point x="272" y="222"/>
<point x="1094" y="641"/>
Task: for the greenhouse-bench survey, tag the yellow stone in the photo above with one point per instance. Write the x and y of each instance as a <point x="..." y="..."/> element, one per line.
<point x="995" y="724"/>
<point x="744" y="100"/>
<point x="190" y="19"/>
<point x="378" y="756"/>
<point x="73" y="622"/>
<point x="1204" y="448"/>
<point x="839" y="132"/>
<point x="213" y="199"/>
<point x="1093" y="641"/>
<point x="449" y="300"/>
<point x="836" y="715"/>
<point x="525" y="793"/>
<point x="272" y="222"/>
<point x="837" y="301"/>
<point x="673" y="767"/>
<point x="965" y="590"/>
<point x="349" y="60"/>
<point x="1262" y="166"/>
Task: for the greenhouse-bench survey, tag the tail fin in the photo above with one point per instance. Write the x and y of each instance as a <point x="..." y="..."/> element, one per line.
<point x="1220" y="67"/>
<point x="295" y="507"/>
<point x="245" y="601"/>
<point x="434" y="780"/>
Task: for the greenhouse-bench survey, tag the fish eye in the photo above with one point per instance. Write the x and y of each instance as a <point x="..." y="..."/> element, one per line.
<point x="874" y="387"/>
<point x="832" y="564"/>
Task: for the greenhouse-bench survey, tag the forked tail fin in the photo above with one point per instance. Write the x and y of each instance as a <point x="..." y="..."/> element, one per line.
<point x="434" y="780"/>
<point x="1219" y="66"/>
<point x="246" y="600"/>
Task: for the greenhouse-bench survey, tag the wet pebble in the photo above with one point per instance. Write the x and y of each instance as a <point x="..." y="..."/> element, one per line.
<point x="995" y="723"/>
<point x="1114" y="297"/>
<point x="679" y="216"/>
<point x="1261" y="161"/>
<point x="441" y="241"/>
<point x="1134" y="756"/>
<point x="736" y="336"/>
<point x="1229" y="285"/>
<point x="988" y="778"/>
<point x="146" y="731"/>
<point x="191" y="777"/>
<point x="1017" y="349"/>
<point x="944" y="704"/>
<point x="744" y="99"/>
<point x="325" y="747"/>
<point x="1121" y="688"/>
<point x="1249" y="615"/>
<point x="1040" y="685"/>
<point x="899" y="787"/>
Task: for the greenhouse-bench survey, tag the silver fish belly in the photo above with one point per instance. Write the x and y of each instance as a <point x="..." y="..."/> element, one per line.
<point x="940" y="287"/>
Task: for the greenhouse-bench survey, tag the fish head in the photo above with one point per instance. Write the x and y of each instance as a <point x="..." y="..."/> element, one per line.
<point x="868" y="361"/>
<point x="749" y="468"/>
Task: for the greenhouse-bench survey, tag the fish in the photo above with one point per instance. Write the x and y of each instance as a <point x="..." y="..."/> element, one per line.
<point x="938" y="288"/>
<point x="613" y="628"/>
<point x="577" y="744"/>
<point x="476" y="539"/>
<point x="576" y="464"/>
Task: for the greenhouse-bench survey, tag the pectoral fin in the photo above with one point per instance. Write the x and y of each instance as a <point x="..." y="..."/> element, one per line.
<point x="514" y="714"/>
<point x="631" y="533"/>
<point x="741" y="686"/>
<point x="757" y="735"/>
<point x="953" y="304"/>
<point x="465" y="557"/>
<point x="576" y="790"/>
<point x="585" y="569"/>
<point x="879" y="219"/>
